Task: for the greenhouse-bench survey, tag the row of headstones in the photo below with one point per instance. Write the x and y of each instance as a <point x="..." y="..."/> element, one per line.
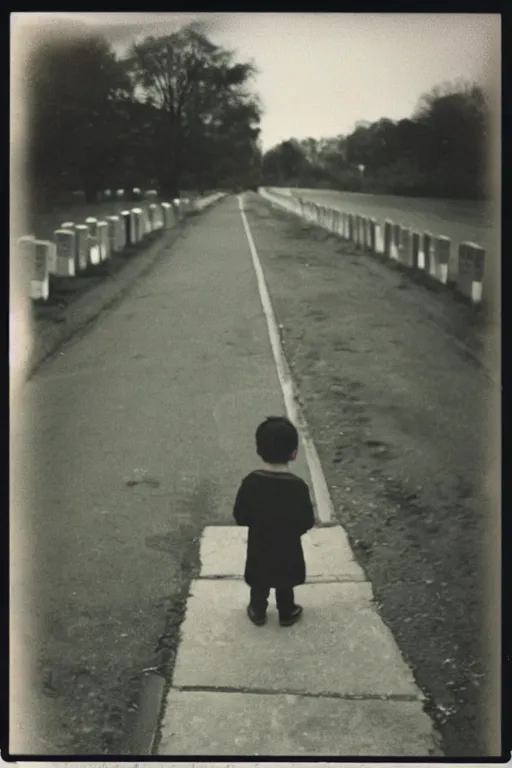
<point x="78" y="247"/>
<point x="120" y="194"/>
<point x="424" y="252"/>
<point x="136" y="192"/>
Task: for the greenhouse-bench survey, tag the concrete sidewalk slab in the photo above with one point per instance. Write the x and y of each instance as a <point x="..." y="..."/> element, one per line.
<point x="341" y="646"/>
<point x="293" y="725"/>
<point x="326" y="550"/>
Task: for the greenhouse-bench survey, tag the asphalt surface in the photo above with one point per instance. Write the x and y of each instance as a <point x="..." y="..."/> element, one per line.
<point x="135" y="435"/>
<point x="127" y="443"/>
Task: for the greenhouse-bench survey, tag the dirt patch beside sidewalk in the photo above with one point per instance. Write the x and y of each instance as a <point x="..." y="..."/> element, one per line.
<point x="400" y="415"/>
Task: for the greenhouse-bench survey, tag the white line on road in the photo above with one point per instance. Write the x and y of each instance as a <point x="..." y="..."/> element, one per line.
<point x="324" y="506"/>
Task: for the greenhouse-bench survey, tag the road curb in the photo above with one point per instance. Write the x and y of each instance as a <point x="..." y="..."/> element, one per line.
<point x="145" y="730"/>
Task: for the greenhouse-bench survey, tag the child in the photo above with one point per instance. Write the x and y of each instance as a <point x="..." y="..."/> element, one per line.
<point x="276" y="506"/>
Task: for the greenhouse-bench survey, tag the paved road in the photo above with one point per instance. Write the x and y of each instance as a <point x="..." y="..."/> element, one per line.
<point x="171" y="383"/>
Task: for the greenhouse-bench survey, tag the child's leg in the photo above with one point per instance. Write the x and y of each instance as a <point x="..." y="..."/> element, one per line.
<point x="289" y="612"/>
<point x="259" y="600"/>
<point x="285" y="600"/>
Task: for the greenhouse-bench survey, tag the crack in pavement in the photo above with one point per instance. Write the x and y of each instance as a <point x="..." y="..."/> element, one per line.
<point x="303" y="694"/>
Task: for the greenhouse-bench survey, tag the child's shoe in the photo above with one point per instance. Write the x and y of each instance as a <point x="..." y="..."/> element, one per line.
<point x="259" y="620"/>
<point x="287" y="621"/>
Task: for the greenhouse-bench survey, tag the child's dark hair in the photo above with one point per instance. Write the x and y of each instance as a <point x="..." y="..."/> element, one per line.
<point x="276" y="440"/>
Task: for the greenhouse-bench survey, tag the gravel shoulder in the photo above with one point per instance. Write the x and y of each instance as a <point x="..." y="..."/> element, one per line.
<point x="405" y="423"/>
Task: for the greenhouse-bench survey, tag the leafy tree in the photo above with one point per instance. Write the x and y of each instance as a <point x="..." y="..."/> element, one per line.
<point x="285" y="164"/>
<point x="205" y="108"/>
<point x="440" y="151"/>
<point x="311" y="149"/>
<point x="74" y="88"/>
<point x="454" y="129"/>
<point x="177" y="110"/>
<point x="359" y="146"/>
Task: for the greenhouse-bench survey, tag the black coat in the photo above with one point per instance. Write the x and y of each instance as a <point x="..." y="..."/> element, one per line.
<point x="277" y="508"/>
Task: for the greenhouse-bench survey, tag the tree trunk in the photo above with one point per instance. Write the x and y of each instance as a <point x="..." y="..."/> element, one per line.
<point x="169" y="169"/>
<point x="91" y="193"/>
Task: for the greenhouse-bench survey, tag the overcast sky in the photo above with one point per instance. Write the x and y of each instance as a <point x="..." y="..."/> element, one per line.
<point x="320" y="73"/>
